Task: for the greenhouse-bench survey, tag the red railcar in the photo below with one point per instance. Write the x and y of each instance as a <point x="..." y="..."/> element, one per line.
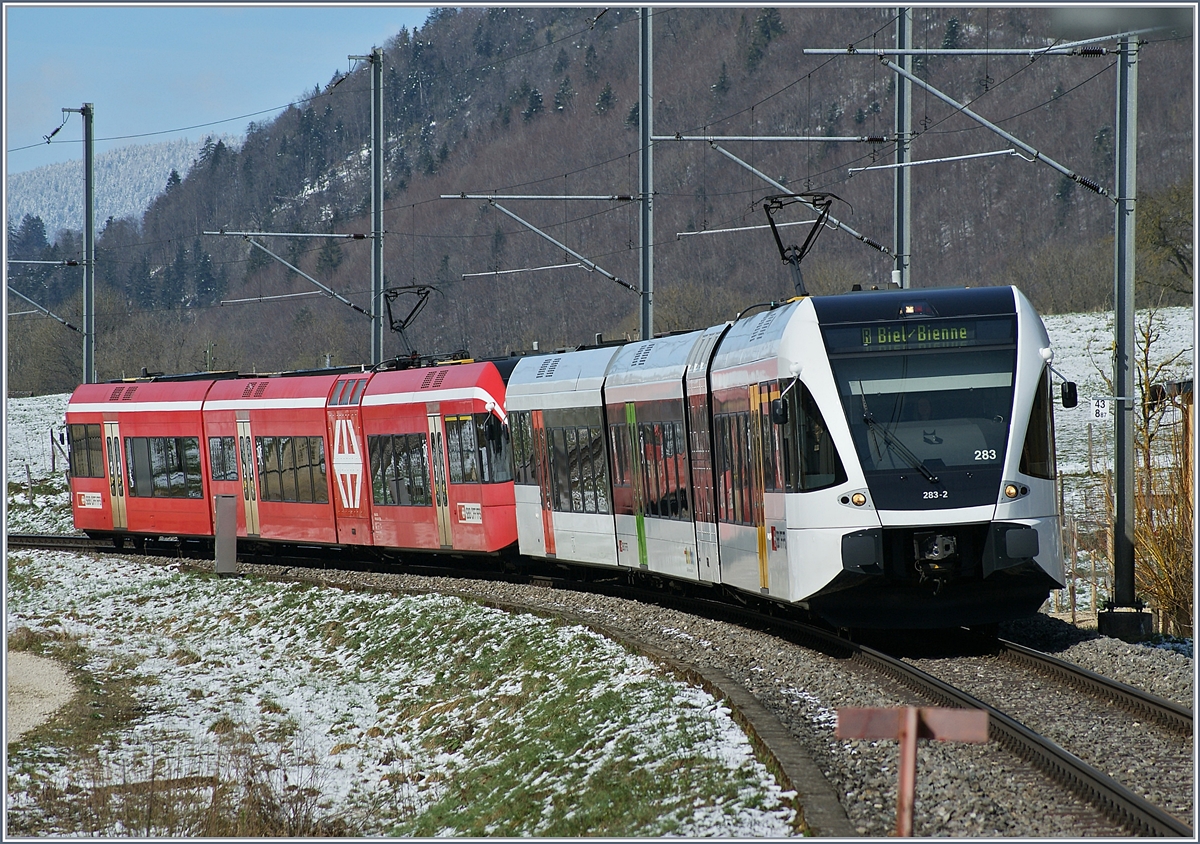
<point x="266" y="441"/>
<point x="137" y="461"/>
<point x="440" y="459"/>
<point x="415" y="459"/>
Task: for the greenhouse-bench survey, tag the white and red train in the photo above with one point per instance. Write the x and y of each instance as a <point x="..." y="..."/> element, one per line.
<point x="883" y="459"/>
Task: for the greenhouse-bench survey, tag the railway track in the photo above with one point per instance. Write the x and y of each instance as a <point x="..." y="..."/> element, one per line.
<point x="1112" y="798"/>
<point x="1120" y="804"/>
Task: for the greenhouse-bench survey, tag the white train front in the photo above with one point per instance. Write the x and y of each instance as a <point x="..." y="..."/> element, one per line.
<point x="884" y="459"/>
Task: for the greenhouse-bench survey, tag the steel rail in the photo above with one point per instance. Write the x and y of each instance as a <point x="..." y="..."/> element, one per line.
<point x="1166" y="712"/>
<point x="56" y="542"/>
<point x="1097" y="788"/>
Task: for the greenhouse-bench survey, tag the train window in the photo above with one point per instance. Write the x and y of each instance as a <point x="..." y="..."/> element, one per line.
<point x="338" y="391"/>
<point x="811" y="457"/>
<point x="87" y="457"/>
<point x="577" y="467"/>
<point x="495" y="448"/>
<point x="598" y="480"/>
<point x="399" y="470"/>
<point x="734" y="471"/>
<point x="359" y="386"/>
<point x="164" y="467"/>
<point x="222" y="458"/>
<point x="523" y="452"/>
<point x="1037" y="456"/>
<point x="462" y="450"/>
<point x="292" y="469"/>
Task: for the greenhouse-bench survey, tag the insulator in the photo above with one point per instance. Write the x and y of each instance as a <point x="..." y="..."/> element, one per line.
<point x="1090" y="185"/>
<point x="1093" y="52"/>
<point x="873" y="244"/>
<point x="876" y="139"/>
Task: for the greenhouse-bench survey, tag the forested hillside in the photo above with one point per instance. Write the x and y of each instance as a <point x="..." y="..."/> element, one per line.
<point x="543" y="101"/>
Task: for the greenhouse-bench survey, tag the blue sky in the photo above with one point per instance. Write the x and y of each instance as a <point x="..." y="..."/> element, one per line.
<point x="151" y="71"/>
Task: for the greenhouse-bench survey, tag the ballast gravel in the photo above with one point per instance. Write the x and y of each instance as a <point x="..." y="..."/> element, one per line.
<point x="962" y="790"/>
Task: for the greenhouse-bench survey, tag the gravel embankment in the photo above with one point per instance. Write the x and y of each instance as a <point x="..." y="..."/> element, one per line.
<point x="962" y="790"/>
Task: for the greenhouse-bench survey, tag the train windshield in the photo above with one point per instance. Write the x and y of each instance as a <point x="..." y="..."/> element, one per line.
<point x="926" y="396"/>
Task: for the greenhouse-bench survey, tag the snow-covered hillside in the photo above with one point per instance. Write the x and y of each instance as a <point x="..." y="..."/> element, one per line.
<point x="127" y="179"/>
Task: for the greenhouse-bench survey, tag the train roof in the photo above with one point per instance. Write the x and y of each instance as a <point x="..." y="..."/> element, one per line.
<point x="755" y="337"/>
<point x="480" y="380"/>
<point x="160" y="396"/>
<point x="660" y="361"/>
<point x="568" y="379"/>
<point x="872" y="305"/>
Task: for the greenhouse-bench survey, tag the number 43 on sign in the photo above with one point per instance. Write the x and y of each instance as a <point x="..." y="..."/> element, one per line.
<point x="1100" y="409"/>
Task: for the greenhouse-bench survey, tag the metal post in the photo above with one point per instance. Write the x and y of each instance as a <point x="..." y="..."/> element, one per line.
<point x="1123" y="355"/>
<point x="89" y="246"/>
<point x="377" y="205"/>
<point x="646" y="169"/>
<point x="902" y="233"/>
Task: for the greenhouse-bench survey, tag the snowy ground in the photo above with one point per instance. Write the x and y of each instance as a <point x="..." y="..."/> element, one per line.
<point x="391" y="705"/>
<point x="1083" y="353"/>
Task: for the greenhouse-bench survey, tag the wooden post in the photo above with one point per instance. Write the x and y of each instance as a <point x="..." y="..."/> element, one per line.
<point x="907" y="725"/>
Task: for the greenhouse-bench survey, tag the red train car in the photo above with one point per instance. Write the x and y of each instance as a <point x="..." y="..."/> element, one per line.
<point x="266" y="442"/>
<point x="137" y="461"/>
<point x="414" y="459"/>
<point x="440" y="459"/>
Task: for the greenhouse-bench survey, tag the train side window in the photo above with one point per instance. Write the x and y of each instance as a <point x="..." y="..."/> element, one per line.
<point x="287" y="470"/>
<point x="164" y="467"/>
<point x="87" y="457"/>
<point x="384" y="487"/>
<point x="137" y="459"/>
<point x="359" y="386"/>
<point x="1037" y="455"/>
<point x="222" y="458"/>
<point x="418" y="470"/>
<point x="812" y="459"/>
<point x="495" y="452"/>
<point x="305" y="463"/>
<point x="399" y="470"/>
<point x="599" y="477"/>
<point x="461" y="450"/>
<point x="320" y="477"/>
<point x="619" y="444"/>
<point x="524" y="454"/>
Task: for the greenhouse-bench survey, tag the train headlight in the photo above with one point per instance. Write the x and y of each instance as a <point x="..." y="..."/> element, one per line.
<point x="1011" y="491"/>
<point x="859" y="499"/>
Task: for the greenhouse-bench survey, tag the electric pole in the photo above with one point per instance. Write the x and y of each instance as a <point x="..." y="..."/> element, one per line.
<point x="376" y="60"/>
<point x="89" y="242"/>
<point x="646" y="169"/>
<point x="902" y="190"/>
<point x="377" y="205"/>
<point x="1125" y="625"/>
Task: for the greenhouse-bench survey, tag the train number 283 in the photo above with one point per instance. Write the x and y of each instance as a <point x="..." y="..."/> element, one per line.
<point x="933" y="493"/>
<point x="985" y="454"/>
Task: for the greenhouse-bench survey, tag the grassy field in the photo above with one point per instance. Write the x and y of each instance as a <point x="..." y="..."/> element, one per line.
<point x="238" y="707"/>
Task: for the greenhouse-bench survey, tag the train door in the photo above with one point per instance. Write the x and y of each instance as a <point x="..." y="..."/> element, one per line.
<point x="757" y="483"/>
<point x="638" y="469"/>
<point x="545" y="462"/>
<point x="249" y="487"/>
<point x="700" y="458"/>
<point x="441" y="495"/>
<point x="116" y="474"/>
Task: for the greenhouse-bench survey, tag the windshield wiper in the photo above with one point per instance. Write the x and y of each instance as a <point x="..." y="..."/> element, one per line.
<point x="894" y="441"/>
